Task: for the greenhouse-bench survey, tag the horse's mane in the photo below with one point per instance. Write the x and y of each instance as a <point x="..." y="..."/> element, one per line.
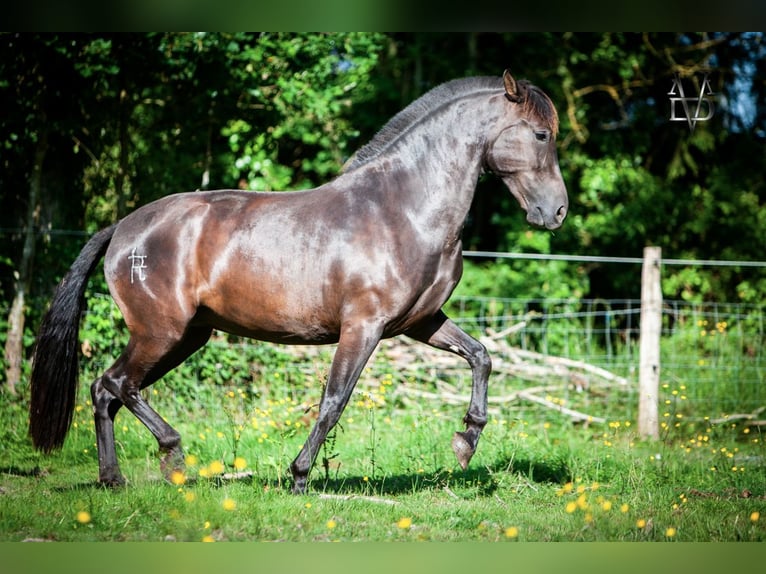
<point x="534" y="101"/>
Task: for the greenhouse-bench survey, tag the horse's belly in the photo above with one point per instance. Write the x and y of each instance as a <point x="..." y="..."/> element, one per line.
<point x="270" y="312"/>
<point x="273" y="331"/>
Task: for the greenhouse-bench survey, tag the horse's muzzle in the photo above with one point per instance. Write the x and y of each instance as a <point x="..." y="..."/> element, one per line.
<point x="548" y="219"/>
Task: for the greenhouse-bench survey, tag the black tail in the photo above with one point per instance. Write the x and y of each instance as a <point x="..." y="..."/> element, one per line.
<point x="56" y="358"/>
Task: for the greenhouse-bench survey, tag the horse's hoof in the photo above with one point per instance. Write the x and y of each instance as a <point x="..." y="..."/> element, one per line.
<point x="112" y="481"/>
<point x="171" y="464"/>
<point x="299" y="485"/>
<point x="463" y="449"/>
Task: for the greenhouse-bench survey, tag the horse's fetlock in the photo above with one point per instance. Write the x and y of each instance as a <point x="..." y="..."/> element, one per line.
<point x="475" y="421"/>
<point x="170" y="442"/>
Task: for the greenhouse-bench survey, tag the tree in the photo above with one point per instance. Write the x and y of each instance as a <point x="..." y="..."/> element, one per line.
<point x="96" y="125"/>
<point x="294" y="118"/>
<point x="14" y="343"/>
<point x="36" y="74"/>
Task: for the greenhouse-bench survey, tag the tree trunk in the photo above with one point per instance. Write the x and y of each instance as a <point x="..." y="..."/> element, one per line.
<point x="120" y="184"/>
<point x="14" y="344"/>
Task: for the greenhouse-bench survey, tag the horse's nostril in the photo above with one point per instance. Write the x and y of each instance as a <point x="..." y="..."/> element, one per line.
<point x="561" y="213"/>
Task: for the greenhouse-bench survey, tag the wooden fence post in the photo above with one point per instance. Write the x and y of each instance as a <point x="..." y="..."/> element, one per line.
<point x="649" y="344"/>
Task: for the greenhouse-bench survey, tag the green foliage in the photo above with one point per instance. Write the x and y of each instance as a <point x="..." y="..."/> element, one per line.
<point x="521" y="278"/>
<point x="102" y="328"/>
<point x="132" y="117"/>
<point x="307" y="86"/>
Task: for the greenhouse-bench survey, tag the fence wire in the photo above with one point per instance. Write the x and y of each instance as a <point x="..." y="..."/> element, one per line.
<point x="712" y="354"/>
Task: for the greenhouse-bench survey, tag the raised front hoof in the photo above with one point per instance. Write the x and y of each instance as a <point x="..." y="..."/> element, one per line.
<point x="463" y="449"/>
<point x="172" y="465"/>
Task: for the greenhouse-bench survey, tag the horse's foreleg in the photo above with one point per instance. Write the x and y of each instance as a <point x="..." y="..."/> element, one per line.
<point x="440" y="332"/>
<point x="356" y="344"/>
<point x="105" y="407"/>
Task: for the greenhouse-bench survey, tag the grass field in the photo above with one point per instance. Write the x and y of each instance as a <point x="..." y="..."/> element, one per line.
<point x="388" y="473"/>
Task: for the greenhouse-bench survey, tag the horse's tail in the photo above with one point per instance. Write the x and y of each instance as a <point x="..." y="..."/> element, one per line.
<point x="56" y="357"/>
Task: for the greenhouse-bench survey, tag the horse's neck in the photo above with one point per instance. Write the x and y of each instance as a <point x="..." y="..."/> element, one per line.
<point x="434" y="170"/>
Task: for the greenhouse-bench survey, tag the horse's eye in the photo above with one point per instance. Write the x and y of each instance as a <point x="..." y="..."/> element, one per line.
<point x="541" y="136"/>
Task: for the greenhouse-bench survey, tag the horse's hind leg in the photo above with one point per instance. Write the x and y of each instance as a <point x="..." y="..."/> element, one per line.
<point x="105" y="407"/>
<point x="440" y="332"/>
<point x="141" y="364"/>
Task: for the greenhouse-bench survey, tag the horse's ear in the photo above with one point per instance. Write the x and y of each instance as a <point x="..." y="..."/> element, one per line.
<point x="511" y="90"/>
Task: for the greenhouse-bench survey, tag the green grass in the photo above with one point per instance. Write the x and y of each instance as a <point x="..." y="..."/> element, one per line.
<point x="388" y="473"/>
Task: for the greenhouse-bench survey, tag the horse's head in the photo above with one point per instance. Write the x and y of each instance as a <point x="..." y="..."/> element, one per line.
<point x="524" y="154"/>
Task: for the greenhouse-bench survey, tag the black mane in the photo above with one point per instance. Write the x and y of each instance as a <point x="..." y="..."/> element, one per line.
<point x="405" y="119"/>
<point x="534" y="101"/>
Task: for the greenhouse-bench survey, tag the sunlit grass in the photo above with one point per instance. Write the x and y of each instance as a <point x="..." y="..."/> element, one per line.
<point x="387" y="472"/>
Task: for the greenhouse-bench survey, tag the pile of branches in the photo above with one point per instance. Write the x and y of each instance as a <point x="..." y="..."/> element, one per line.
<point x="545" y="373"/>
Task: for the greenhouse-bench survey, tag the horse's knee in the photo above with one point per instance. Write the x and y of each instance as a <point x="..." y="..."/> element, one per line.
<point x="480" y="359"/>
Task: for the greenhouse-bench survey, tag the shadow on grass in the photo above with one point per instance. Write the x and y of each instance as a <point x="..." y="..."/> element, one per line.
<point x="474" y="481"/>
<point x="478" y="480"/>
<point x="18" y="471"/>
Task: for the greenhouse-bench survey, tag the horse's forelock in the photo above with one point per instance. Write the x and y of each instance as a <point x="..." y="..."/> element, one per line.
<point x="536" y="103"/>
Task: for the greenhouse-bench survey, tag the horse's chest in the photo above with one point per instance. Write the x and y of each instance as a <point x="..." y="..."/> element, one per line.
<point x="431" y="291"/>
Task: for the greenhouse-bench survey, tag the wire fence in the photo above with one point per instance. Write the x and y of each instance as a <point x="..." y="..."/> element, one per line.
<point x="712" y="353"/>
<point x="713" y="360"/>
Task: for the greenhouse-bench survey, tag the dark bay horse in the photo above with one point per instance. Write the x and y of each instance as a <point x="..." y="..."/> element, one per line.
<point x="375" y="253"/>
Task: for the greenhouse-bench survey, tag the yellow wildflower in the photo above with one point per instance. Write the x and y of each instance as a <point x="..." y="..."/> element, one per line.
<point x="83" y="517"/>
<point x="404" y="523"/>
<point x="177" y="477"/>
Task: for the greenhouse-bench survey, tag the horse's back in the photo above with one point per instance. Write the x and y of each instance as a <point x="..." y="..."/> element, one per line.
<point x="252" y="263"/>
<point x="284" y="266"/>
